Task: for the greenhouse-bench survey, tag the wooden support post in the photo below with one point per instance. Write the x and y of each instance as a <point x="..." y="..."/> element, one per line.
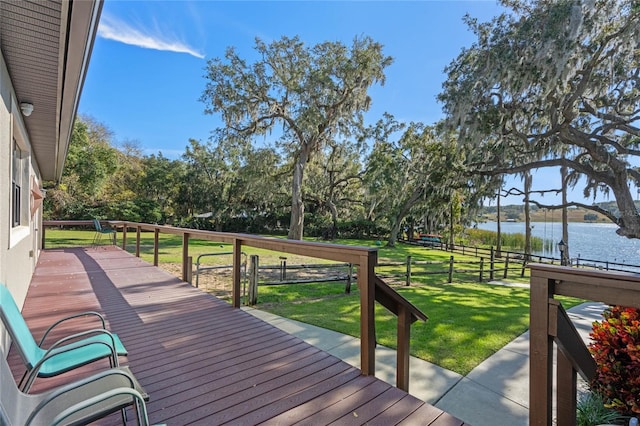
<point x="42" y="243"/>
<point x="185" y="255"/>
<point x="566" y="390"/>
<point x="137" y="241"/>
<point x="404" y="336"/>
<point x="480" y="276"/>
<point x="156" y="246"/>
<point x="450" y="269"/>
<point x="524" y="266"/>
<point x="124" y="236"/>
<point x="366" y="275"/>
<point x="408" y="279"/>
<point x="189" y="269"/>
<point x="540" y="352"/>
<point x="506" y="267"/>
<point x="236" y="273"/>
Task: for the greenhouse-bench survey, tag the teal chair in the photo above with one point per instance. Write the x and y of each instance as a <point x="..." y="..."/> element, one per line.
<point x="76" y="403"/>
<point x="64" y="355"/>
<point x="100" y="231"/>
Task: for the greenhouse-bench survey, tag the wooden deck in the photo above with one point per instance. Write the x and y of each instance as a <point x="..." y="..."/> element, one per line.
<point x="200" y="360"/>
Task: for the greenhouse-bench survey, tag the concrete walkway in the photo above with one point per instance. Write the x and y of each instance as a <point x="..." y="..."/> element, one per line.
<point x="495" y="392"/>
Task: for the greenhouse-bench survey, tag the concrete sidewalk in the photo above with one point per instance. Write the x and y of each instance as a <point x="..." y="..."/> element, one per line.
<point x="495" y="392"/>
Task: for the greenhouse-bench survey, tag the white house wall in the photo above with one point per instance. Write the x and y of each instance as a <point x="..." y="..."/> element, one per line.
<point x="19" y="245"/>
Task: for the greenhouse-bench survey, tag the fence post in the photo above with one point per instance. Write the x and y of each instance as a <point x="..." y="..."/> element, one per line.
<point x="524" y="265"/>
<point x="481" y="269"/>
<point x="283" y="268"/>
<point x="492" y="263"/>
<point x="408" y="280"/>
<point x="253" y="280"/>
<point x="506" y="266"/>
<point x="347" y="288"/>
<point x="450" y="269"/>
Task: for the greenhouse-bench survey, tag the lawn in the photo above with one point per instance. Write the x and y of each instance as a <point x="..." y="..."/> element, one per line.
<point x="468" y="320"/>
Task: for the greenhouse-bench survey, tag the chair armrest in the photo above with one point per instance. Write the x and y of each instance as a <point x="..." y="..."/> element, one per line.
<point x="57" y="349"/>
<point x="96" y="399"/>
<point x="79" y="315"/>
<point x="70" y="340"/>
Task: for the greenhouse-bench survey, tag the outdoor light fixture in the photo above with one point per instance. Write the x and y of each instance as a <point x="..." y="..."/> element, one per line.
<point x="27" y="108"/>
<point x="562" y="247"/>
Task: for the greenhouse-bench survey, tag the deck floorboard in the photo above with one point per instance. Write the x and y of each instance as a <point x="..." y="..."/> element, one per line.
<point x="200" y="360"/>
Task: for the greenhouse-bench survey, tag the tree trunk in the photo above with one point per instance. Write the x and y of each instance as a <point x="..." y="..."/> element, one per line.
<point x="296" y="227"/>
<point x="527" y="216"/>
<point x="565" y="221"/>
<point x="498" y="227"/>
<point x="404" y="210"/>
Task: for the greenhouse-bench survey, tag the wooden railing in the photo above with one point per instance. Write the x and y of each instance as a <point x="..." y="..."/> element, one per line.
<point x="371" y="288"/>
<point x="549" y="323"/>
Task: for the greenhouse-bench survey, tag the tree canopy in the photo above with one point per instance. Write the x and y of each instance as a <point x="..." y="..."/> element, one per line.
<point x="552" y="83"/>
<point x="315" y="94"/>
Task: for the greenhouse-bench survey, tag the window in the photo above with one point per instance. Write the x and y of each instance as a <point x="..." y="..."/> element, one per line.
<point x="19" y="185"/>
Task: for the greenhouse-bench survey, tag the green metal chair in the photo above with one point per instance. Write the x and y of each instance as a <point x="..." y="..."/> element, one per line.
<point x="100" y="231"/>
<point x="76" y="403"/>
<point x="66" y="354"/>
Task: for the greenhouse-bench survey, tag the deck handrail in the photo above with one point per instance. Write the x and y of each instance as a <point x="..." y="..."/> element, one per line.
<point x="549" y="323"/>
<point x="371" y="287"/>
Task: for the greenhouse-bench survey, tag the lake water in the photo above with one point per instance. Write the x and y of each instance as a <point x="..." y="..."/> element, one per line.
<point x="594" y="241"/>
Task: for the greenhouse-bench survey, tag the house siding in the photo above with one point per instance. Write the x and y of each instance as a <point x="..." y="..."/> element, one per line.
<point x="19" y="247"/>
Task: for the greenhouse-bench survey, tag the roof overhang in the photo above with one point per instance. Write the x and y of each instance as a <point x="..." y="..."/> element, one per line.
<point x="47" y="46"/>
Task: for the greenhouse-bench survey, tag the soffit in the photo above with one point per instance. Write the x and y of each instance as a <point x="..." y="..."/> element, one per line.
<point x="46" y="46"/>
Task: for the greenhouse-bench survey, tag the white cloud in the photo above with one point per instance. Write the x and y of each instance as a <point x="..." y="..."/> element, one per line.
<point x="114" y="29"/>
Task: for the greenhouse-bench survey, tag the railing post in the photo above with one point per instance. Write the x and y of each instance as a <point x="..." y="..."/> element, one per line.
<point x="124" y="236"/>
<point x="235" y="273"/>
<point x="366" y="275"/>
<point x="480" y="276"/>
<point x="450" y="269"/>
<point x="189" y="270"/>
<point x="138" y="241"/>
<point x="156" y="246"/>
<point x="408" y="279"/>
<point x="185" y="255"/>
<point x="540" y="352"/>
<point x="566" y="391"/>
<point x="404" y="336"/>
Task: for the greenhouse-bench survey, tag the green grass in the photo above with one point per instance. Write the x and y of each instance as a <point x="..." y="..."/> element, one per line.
<point x="468" y="321"/>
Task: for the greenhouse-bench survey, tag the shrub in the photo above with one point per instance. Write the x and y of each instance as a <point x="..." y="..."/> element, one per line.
<point x="591" y="411"/>
<point x="616" y="349"/>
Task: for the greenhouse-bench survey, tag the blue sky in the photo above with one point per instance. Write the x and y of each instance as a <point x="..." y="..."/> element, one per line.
<point x="147" y="69"/>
